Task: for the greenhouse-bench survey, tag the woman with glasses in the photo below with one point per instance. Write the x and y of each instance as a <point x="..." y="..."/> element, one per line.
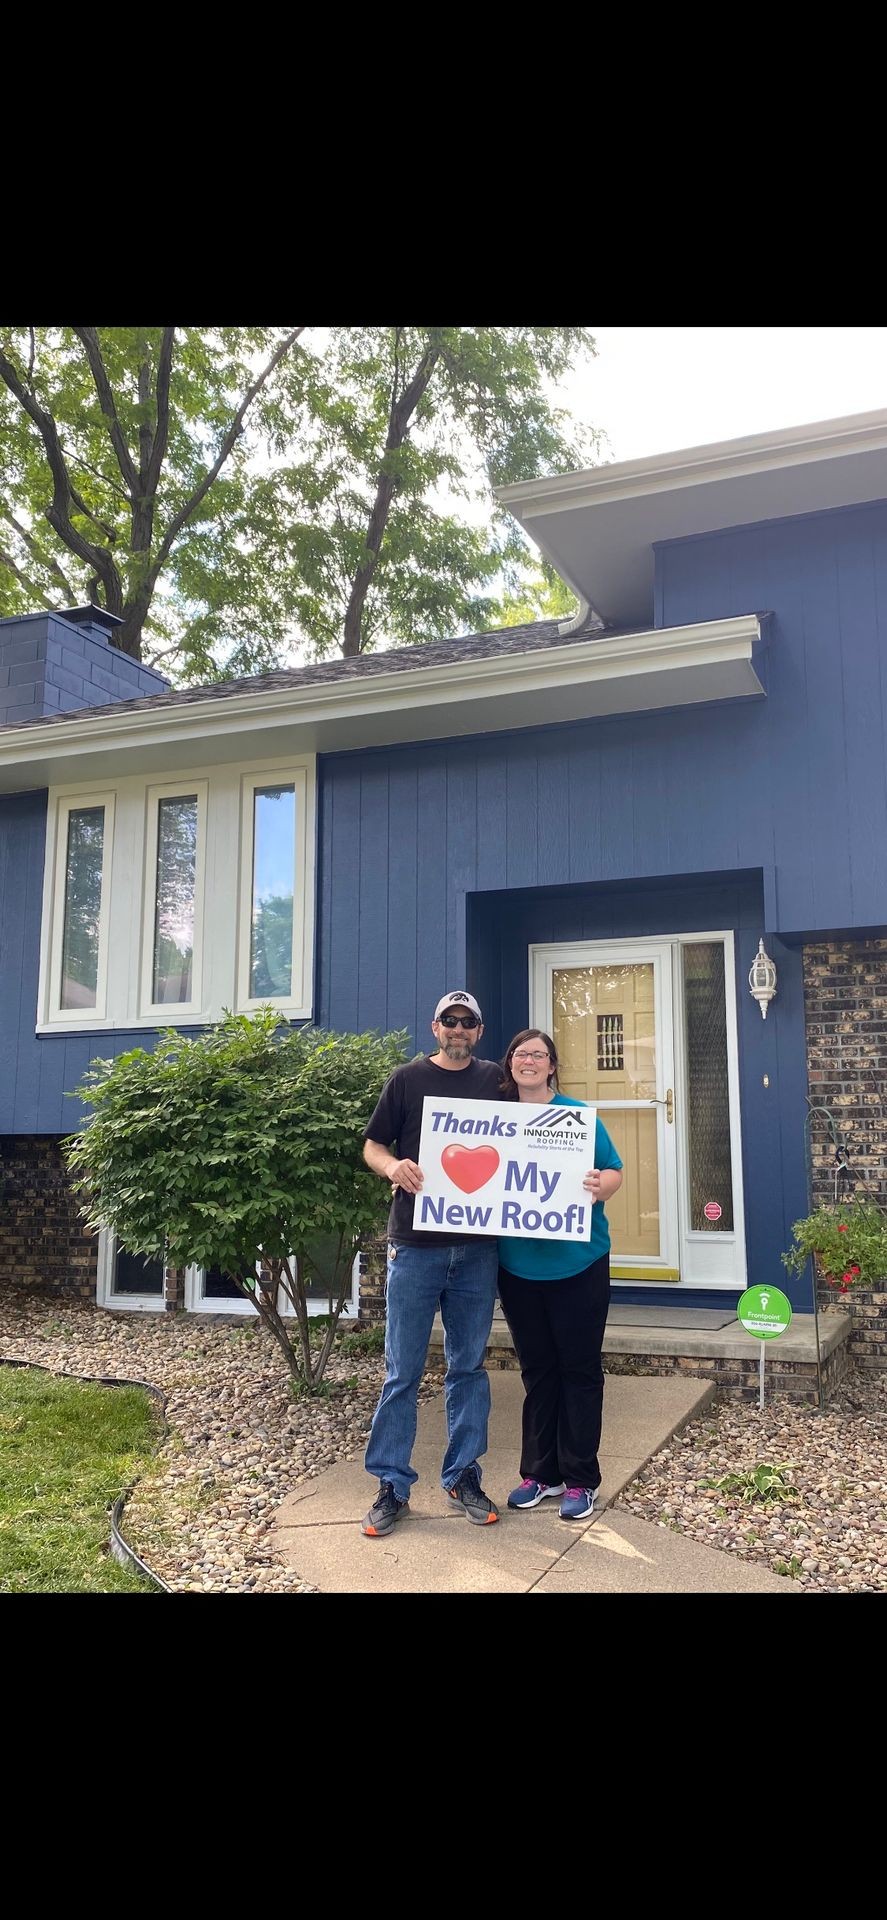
<point x="555" y="1295"/>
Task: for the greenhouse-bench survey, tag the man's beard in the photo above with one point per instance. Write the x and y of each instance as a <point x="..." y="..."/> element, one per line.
<point x="457" y="1049"/>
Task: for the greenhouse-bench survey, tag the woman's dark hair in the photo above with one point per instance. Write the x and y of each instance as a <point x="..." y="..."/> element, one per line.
<point x="508" y="1082"/>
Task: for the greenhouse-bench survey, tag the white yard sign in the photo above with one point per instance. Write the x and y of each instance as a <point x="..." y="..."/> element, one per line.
<point x="508" y="1169"/>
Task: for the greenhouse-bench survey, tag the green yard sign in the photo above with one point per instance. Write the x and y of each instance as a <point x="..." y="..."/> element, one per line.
<point x="764" y="1312"/>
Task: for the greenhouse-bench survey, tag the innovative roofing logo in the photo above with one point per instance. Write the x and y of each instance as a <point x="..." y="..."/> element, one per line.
<point x="566" y="1122"/>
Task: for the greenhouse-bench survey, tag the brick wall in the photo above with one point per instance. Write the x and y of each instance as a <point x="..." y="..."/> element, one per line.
<point x="43" y="1242"/>
<point x="373" y="1267"/>
<point x="845" y="1002"/>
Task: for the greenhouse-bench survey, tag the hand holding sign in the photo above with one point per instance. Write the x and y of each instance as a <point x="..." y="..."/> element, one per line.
<point x="535" y="1183"/>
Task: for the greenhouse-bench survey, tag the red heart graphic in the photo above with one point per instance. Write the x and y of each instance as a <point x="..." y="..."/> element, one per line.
<point x="469" y="1167"/>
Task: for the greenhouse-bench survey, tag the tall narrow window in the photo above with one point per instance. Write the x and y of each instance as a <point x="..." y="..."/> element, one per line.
<point x="708" y="1106"/>
<point x="273" y="885"/>
<point x="175" y="900"/>
<point x="84" y="861"/>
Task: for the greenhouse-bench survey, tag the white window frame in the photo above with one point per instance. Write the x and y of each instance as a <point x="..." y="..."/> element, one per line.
<point x="298" y="1002"/>
<point x="106" y="1270"/>
<point x="712" y="1260"/>
<point x="126" y="942"/>
<point x="52" y="944"/>
<point x="196" y="1301"/>
<point x="167" y="1010"/>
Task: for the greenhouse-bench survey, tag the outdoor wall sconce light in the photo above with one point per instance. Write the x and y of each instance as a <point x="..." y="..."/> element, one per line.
<point x="762" y="979"/>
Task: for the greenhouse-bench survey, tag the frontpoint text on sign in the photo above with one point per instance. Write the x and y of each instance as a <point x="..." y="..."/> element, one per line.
<point x="507" y="1170"/>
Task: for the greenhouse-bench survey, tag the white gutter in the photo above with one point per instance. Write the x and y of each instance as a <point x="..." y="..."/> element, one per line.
<point x="416" y="703"/>
<point x="688" y="466"/>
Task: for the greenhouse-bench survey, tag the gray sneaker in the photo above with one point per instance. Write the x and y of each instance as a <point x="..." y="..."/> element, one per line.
<point x="385" y="1510"/>
<point x="469" y="1495"/>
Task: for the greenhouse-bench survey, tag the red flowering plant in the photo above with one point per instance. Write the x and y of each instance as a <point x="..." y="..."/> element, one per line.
<point x="848" y="1245"/>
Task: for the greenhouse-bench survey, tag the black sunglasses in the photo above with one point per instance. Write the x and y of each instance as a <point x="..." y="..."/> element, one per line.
<point x="468" y="1020"/>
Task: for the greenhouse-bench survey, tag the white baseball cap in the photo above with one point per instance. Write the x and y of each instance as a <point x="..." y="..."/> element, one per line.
<point x="458" y="999"/>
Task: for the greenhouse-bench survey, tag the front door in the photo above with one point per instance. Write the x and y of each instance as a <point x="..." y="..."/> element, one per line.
<point x="645" y="1031"/>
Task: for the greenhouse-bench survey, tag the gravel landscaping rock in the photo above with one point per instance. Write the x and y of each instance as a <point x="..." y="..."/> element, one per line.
<point x="239" y="1443"/>
<point x="832" y="1537"/>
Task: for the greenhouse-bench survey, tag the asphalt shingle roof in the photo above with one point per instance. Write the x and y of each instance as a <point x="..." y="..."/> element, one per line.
<point x="499" y="641"/>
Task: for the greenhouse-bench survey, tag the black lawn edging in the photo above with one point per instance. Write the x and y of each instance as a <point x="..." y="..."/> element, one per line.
<point x="122" y="1552"/>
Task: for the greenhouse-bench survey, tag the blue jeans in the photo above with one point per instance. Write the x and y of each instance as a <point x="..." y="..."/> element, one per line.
<point x="461" y="1281"/>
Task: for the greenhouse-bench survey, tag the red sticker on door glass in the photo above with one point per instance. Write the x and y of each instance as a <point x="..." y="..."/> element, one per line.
<point x="711" y="1210"/>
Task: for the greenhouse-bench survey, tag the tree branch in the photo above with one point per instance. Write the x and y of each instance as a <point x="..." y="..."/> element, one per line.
<point x="58" y="513"/>
<point x="161" y="431"/>
<point x="89" y="338"/>
<point x="76" y="461"/>
<point x="402" y="411"/>
<point x="190" y="507"/>
<point x="42" y="559"/>
<point x="6" y="560"/>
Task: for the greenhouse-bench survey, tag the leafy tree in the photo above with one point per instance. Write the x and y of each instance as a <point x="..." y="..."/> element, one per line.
<point x="227" y="491"/>
<point x="240" y="1150"/>
<point x="544" y="596"/>
<point x="113" y="438"/>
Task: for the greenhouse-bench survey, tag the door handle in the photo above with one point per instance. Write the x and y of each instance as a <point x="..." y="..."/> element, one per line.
<point x="668" y="1104"/>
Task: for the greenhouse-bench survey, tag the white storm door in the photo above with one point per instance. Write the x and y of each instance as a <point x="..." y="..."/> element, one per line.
<point x="609" y="1009"/>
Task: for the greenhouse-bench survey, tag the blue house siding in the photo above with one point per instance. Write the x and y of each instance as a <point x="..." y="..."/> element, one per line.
<point x="35" y="1074"/>
<point x="441" y="863"/>
<point x="501" y="929"/>
<point x="819" y="739"/>
<point x="437" y="866"/>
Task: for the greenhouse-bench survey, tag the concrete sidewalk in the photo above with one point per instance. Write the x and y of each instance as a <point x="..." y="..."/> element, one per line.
<point x="435" y="1549"/>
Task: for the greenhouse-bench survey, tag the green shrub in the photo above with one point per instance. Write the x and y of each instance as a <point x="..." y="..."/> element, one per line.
<point x="365" y="1340"/>
<point x="242" y="1150"/>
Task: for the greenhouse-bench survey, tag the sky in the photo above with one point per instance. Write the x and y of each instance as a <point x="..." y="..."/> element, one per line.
<point x="655" y="389"/>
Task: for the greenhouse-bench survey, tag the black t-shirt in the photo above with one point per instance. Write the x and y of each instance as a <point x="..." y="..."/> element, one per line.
<point x="397" y="1123"/>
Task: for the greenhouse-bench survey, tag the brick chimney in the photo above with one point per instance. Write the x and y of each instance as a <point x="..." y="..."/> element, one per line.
<point x="59" y="662"/>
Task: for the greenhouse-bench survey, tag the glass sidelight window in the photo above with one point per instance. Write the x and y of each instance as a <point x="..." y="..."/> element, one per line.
<point x="709" y="1150"/>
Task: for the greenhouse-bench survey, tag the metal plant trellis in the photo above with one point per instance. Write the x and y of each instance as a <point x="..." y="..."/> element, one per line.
<point x="843" y="1179"/>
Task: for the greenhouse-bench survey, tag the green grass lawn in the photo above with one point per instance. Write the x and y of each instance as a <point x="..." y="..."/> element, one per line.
<point x="67" y="1449"/>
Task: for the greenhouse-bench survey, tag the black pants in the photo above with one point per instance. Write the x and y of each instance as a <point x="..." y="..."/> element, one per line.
<point x="558" y="1328"/>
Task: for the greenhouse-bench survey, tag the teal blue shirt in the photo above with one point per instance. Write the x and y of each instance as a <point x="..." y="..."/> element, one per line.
<point x="559" y="1259"/>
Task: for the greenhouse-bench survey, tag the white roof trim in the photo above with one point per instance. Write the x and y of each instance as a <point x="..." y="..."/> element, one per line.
<point x="598" y="527"/>
<point x="605" y="674"/>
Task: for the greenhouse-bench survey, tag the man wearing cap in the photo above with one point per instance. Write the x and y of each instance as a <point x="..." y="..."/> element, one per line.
<point x="431" y="1271"/>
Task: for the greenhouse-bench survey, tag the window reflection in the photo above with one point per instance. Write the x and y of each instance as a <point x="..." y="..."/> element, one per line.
<point x="83" y="904"/>
<point x="274" y="861"/>
<point x="175" y="900"/>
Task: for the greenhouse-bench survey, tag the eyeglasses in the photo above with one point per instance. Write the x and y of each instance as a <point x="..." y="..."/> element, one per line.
<point x="469" y="1020"/>
<point x="530" y="1056"/>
